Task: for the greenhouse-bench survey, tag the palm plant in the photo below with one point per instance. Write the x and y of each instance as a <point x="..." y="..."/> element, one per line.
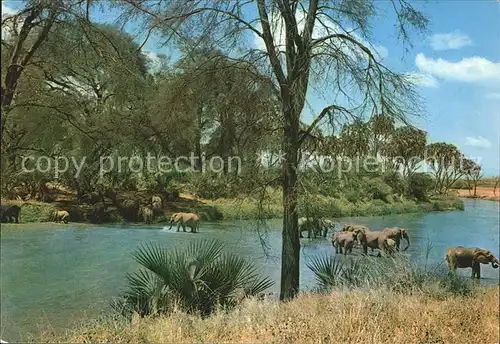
<point x="196" y="279"/>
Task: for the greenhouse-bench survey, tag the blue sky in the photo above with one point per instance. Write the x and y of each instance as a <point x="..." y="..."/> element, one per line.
<point x="457" y="65"/>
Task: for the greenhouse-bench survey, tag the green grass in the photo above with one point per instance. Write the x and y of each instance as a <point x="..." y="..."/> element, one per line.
<point x="233" y="209"/>
<point x="36" y="212"/>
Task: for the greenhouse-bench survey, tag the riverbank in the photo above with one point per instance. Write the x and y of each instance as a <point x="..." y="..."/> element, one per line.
<point x="244" y="209"/>
<point x="482" y="192"/>
<point x="345" y="317"/>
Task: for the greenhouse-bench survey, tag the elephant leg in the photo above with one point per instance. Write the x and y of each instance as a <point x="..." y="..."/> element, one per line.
<point x="178" y="226"/>
<point x="183" y="227"/>
<point x="476" y="270"/>
<point x="398" y="241"/>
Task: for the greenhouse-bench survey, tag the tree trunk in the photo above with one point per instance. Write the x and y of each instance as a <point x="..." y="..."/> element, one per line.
<point x="291" y="244"/>
<point x="199" y="161"/>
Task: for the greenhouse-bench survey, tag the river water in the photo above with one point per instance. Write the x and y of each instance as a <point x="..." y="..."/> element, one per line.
<point x="53" y="274"/>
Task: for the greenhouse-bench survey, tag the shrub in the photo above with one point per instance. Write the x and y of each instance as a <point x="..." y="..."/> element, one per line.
<point x="420" y="185"/>
<point x="397" y="274"/>
<point x="377" y="189"/>
<point x="197" y="279"/>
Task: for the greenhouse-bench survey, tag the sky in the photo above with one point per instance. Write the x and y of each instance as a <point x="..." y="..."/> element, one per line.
<point x="456" y="64"/>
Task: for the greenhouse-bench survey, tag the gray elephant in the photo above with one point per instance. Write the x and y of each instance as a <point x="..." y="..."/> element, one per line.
<point x="327" y="224"/>
<point x="343" y="240"/>
<point x="315" y="226"/>
<point x="470" y="257"/>
<point x="397" y="234"/>
<point x="190" y="220"/>
<point x="147" y="214"/>
<point x="60" y="216"/>
<point x="157" y="205"/>
<point x="374" y="240"/>
<point x="10" y="213"/>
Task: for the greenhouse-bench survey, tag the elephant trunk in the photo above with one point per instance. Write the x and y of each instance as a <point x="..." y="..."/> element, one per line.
<point x="408" y="243"/>
<point x="495" y="263"/>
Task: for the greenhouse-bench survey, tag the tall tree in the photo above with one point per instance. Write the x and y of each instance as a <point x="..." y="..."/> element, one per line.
<point x="406" y="148"/>
<point x="447" y="164"/>
<point x="303" y="41"/>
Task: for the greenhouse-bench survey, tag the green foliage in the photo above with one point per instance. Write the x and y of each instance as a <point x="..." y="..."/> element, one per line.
<point x="377" y="189"/>
<point x="420" y="185"/>
<point x="397" y="274"/>
<point x="197" y="279"/>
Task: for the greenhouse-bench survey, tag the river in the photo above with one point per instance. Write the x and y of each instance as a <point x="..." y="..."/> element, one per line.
<point x="55" y="274"/>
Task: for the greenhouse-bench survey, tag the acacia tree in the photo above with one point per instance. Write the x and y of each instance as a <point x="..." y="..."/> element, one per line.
<point x="473" y="174"/>
<point x="406" y="148"/>
<point x="313" y="42"/>
<point x="447" y="164"/>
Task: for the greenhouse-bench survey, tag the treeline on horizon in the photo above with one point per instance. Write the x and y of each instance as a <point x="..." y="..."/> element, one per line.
<point x="89" y="91"/>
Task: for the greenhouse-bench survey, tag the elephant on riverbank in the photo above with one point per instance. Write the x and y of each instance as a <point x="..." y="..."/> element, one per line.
<point x="10" y="213"/>
<point x="470" y="257"/>
<point x="397" y="234"/>
<point x="157" y="205"/>
<point x="343" y="240"/>
<point x="190" y="220"/>
<point x="147" y="214"/>
<point x="60" y="216"/>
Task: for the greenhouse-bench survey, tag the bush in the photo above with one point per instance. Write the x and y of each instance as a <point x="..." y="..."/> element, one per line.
<point x="420" y="185"/>
<point x="397" y="274"/>
<point x="197" y="279"/>
<point x="377" y="189"/>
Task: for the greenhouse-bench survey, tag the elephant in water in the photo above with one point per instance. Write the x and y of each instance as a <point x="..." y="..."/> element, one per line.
<point x="315" y="226"/>
<point x="397" y="234"/>
<point x="190" y="220"/>
<point x="343" y="240"/>
<point x="11" y="213"/>
<point x="375" y="240"/>
<point x="470" y="257"/>
<point x="60" y="216"/>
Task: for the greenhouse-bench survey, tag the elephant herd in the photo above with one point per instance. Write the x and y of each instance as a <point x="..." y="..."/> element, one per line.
<point x="388" y="241"/>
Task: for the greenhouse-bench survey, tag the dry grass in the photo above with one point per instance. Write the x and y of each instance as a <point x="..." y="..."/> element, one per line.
<point x="342" y="317"/>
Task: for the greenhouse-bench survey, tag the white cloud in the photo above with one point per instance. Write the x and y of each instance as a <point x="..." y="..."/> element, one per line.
<point x="448" y="41"/>
<point x="424" y="80"/>
<point x="492" y="95"/>
<point x="6" y="10"/>
<point x="477" y="141"/>
<point x="471" y="69"/>
<point x="7" y="28"/>
<point x="322" y="29"/>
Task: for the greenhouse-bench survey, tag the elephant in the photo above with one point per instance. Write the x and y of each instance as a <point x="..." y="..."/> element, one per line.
<point x="397" y="234"/>
<point x="374" y="240"/>
<point x="147" y="214"/>
<point x="356" y="229"/>
<point x="60" y="216"/>
<point x="327" y="224"/>
<point x="311" y="225"/>
<point x="157" y="205"/>
<point x="390" y="246"/>
<point x="10" y="213"/>
<point x="470" y="257"/>
<point x="190" y="220"/>
<point x="343" y="240"/>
